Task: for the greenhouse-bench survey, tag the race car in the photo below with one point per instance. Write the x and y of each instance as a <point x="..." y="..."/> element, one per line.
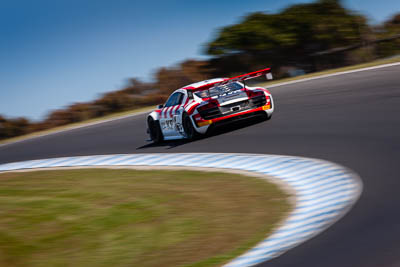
<point x="191" y="110"/>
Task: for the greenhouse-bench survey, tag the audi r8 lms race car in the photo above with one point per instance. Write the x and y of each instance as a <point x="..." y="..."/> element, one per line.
<point x="191" y="110"/>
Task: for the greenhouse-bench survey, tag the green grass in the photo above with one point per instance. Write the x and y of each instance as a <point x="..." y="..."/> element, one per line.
<point x="104" y="217"/>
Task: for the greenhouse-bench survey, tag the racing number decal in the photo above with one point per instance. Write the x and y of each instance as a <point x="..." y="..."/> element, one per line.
<point x="170" y="116"/>
<point x="166" y="121"/>
<point x="169" y="124"/>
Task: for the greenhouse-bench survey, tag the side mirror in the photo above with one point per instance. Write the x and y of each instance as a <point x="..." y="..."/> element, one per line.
<point x="160" y="106"/>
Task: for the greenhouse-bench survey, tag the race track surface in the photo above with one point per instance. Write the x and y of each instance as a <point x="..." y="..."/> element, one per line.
<point x="351" y="119"/>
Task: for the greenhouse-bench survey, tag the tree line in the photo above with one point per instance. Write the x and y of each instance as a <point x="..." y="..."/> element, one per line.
<point x="302" y="38"/>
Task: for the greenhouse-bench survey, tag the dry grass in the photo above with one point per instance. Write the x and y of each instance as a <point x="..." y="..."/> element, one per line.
<point x="103" y="217"/>
<point x="116" y="115"/>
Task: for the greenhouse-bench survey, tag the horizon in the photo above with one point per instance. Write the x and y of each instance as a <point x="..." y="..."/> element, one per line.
<point x="56" y="54"/>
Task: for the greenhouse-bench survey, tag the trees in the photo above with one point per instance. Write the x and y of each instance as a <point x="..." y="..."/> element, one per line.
<point x="390" y="33"/>
<point x="137" y="87"/>
<point x="13" y="127"/>
<point x="289" y="37"/>
<point x="187" y="72"/>
<point x="392" y="26"/>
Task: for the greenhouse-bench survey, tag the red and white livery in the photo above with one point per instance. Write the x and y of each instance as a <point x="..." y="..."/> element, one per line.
<point x="191" y="110"/>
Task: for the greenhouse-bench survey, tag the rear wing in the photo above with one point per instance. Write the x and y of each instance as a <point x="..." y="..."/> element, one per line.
<point x="247" y="76"/>
<point x="240" y="78"/>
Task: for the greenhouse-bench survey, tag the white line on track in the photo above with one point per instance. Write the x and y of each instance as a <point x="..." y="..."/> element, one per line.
<point x="334" y="74"/>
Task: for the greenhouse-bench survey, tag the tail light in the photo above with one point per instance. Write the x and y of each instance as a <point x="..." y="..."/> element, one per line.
<point x="200" y="122"/>
<point x="267" y="103"/>
<point x="254" y="93"/>
<point x="268" y="100"/>
<point x="211" y="104"/>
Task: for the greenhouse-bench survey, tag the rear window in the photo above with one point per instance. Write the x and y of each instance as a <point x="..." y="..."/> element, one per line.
<point x="220" y="90"/>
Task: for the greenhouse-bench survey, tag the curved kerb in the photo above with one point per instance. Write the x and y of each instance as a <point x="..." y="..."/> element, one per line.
<point x="324" y="191"/>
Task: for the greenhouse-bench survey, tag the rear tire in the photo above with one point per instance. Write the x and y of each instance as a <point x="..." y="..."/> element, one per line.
<point x="190" y="131"/>
<point x="265" y="116"/>
<point x="155" y="130"/>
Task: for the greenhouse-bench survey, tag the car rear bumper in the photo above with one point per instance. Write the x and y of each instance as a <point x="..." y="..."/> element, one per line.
<point x="201" y="123"/>
<point x="245" y="113"/>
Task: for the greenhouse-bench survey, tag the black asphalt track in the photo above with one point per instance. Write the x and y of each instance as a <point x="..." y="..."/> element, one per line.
<point x="351" y="119"/>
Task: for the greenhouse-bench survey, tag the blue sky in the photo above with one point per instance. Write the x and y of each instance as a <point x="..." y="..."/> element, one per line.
<point x="54" y="53"/>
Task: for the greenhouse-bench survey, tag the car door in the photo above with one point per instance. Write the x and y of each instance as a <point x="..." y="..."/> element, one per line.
<point x="167" y="122"/>
<point x="176" y="114"/>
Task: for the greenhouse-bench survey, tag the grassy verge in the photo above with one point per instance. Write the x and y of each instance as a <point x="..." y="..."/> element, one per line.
<point x="314" y="74"/>
<point x="78" y="124"/>
<point x="104" y="217"/>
